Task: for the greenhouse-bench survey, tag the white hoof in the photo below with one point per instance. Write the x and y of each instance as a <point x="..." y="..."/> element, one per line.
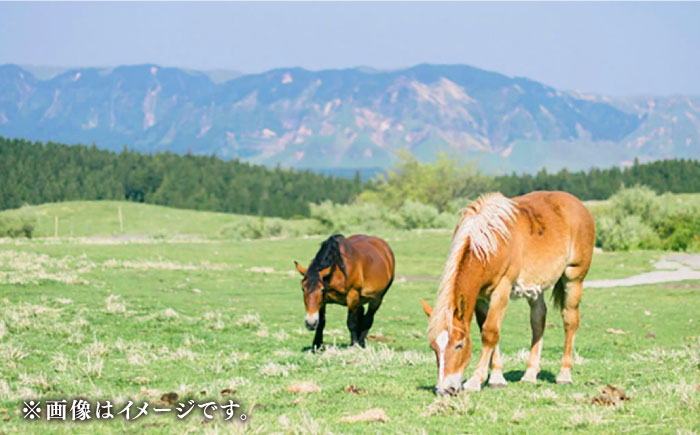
<point x="564" y="377"/>
<point x="529" y="376"/>
<point x="472" y="384"/>
<point x="496" y="380"/>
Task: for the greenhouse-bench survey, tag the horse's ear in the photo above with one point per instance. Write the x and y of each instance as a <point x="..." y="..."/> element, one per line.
<point x="459" y="311"/>
<point x="324" y="272"/>
<point x="426" y="308"/>
<point x="300" y="268"/>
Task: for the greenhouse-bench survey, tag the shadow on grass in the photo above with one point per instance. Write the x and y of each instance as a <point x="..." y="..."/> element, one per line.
<point x="544" y="375"/>
<point x="429" y="388"/>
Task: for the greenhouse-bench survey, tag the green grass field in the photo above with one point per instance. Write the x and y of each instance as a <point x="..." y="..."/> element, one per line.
<point x="115" y="318"/>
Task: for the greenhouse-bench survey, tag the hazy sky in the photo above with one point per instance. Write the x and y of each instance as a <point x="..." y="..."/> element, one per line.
<point x="614" y="48"/>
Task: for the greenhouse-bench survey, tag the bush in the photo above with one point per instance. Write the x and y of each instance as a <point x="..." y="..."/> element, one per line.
<point x="639" y="201"/>
<point x="630" y="232"/>
<point x="446" y="220"/>
<point x="418" y="215"/>
<point x="681" y="231"/>
<point x="338" y="218"/>
<point x="436" y="184"/>
<point x="259" y="228"/>
<point x="18" y="225"/>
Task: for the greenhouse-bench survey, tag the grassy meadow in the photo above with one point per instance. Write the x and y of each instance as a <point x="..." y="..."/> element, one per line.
<point x="145" y="312"/>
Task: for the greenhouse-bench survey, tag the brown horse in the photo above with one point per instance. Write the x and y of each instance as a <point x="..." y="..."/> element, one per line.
<point x="352" y="272"/>
<point x="505" y="248"/>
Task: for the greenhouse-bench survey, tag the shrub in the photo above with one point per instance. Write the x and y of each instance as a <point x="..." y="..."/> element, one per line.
<point x="639" y="201"/>
<point x="446" y="220"/>
<point x="624" y="234"/>
<point x="418" y="215"/>
<point x="365" y="216"/>
<point x="259" y="228"/>
<point x="342" y="217"/>
<point x="436" y="183"/>
<point x="17" y="225"/>
<point x="680" y="231"/>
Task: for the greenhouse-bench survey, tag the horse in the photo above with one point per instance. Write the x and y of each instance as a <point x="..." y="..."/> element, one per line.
<point x="352" y="272"/>
<point x="501" y="249"/>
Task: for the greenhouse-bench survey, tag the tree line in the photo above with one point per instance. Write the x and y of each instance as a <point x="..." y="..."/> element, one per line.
<point x="35" y="173"/>
<point x="676" y="176"/>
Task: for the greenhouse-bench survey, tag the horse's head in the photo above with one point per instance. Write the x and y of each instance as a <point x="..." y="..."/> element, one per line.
<point x="313" y="286"/>
<point x="453" y="350"/>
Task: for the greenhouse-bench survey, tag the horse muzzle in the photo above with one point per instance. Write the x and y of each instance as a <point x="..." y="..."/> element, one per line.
<point x="311" y="321"/>
<point x="452" y="385"/>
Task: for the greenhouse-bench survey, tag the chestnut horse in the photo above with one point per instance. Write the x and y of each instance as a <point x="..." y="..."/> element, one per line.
<point x="352" y="272"/>
<point x="505" y="248"/>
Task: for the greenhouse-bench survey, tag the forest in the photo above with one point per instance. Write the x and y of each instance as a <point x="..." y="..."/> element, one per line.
<point x="35" y="173"/>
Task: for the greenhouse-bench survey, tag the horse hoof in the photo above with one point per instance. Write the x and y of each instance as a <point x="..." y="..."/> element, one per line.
<point x="529" y="376"/>
<point x="496" y="380"/>
<point x="564" y="377"/>
<point x="473" y="384"/>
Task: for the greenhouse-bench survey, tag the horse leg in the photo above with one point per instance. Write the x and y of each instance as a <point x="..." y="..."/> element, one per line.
<point x="496" y="379"/>
<point x="538" y="316"/>
<point x="490" y="333"/>
<point x="354" y="322"/>
<point x="570" y="315"/>
<point x="368" y="320"/>
<point x="318" y="337"/>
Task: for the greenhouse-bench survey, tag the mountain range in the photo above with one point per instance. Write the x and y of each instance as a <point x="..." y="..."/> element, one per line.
<point x="349" y="118"/>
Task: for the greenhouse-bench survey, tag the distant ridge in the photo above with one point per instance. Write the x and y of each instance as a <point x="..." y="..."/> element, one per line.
<point x="348" y="118"/>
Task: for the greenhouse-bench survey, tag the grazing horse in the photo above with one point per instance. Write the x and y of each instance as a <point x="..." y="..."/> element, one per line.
<point x="505" y="248"/>
<point x="351" y="272"/>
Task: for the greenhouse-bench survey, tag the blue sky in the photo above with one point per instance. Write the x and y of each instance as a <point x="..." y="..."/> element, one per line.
<point x="613" y="48"/>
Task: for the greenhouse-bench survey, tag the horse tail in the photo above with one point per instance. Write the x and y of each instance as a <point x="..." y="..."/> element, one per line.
<point x="559" y="294"/>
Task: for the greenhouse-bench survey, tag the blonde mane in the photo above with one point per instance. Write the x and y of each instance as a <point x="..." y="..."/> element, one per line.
<point x="479" y="229"/>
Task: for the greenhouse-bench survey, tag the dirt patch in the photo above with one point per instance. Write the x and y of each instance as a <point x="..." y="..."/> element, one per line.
<point x="611" y="396"/>
<point x="380" y="339"/>
<point x="376" y="414"/>
<point x="615" y="331"/>
<point x="228" y="392"/>
<point x="169" y="398"/>
<point x="352" y="389"/>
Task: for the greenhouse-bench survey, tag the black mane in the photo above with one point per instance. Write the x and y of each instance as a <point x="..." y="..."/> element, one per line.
<point x="327" y="256"/>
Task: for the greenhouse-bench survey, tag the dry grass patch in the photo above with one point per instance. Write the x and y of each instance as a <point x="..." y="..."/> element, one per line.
<point x="28" y="316"/>
<point x="302" y="424"/>
<point x="373" y="358"/>
<point x="59" y="362"/>
<point x="447" y="405"/>
<point x="375" y="414"/>
<point x="95" y="349"/>
<point x="273" y="369"/>
<point x="161" y="264"/>
<point x="91" y="366"/>
<point x="303" y="387"/>
<point x="18" y="267"/>
<point x="583" y="419"/>
<point x="115" y="304"/>
<point x="250" y="320"/>
<point x="11" y="354"/>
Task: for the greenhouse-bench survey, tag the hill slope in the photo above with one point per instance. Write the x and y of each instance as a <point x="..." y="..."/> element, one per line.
<point x="346" y="118"/>
<point x="101" y="218"/>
